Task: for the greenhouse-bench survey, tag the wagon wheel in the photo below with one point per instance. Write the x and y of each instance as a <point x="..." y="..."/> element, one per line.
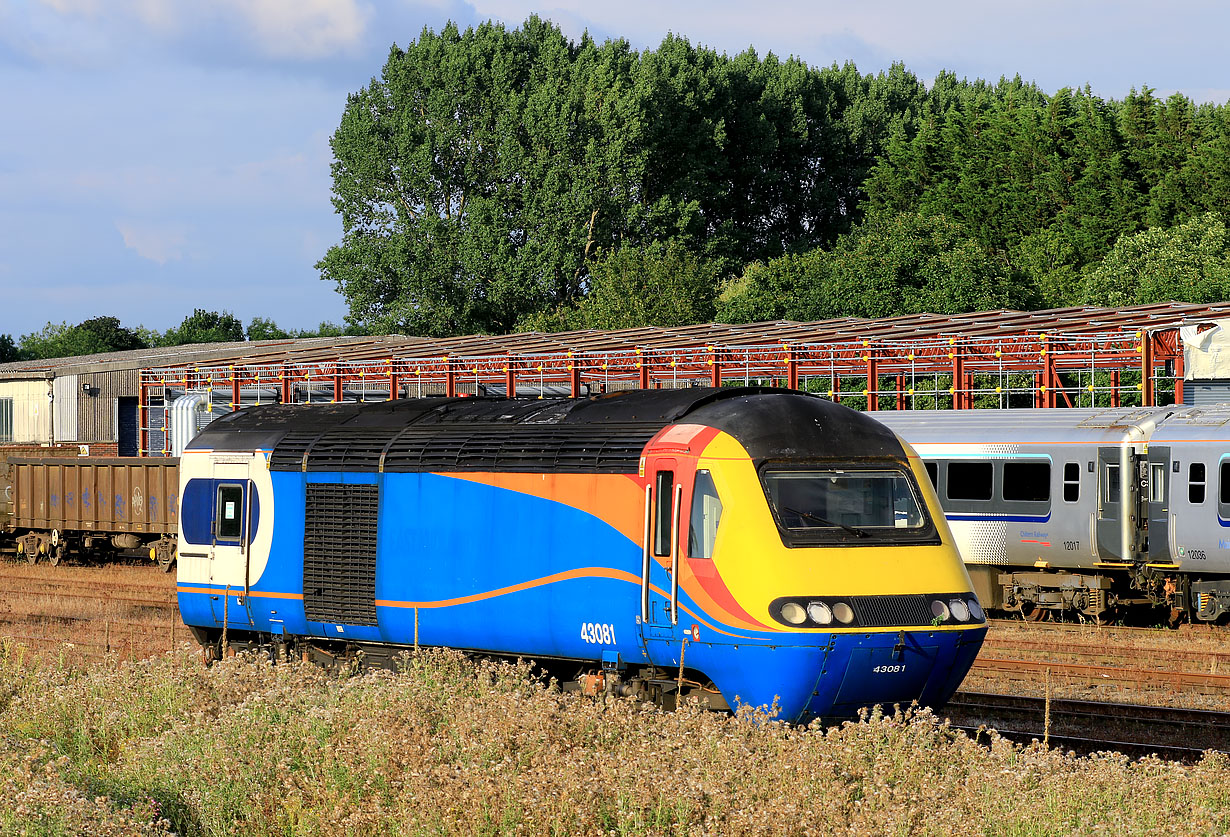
<point x="1177" y="617"/>
<point x="1107" y="617"/>
<point x="32" y="555"/>
<point x="167" y="564"/>
<point x="1032" y="613"/>
<point x="55" y="555"/>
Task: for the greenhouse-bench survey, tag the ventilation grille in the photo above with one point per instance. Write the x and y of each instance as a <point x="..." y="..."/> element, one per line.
<point x="552" y="448"/>
<point x="339" y="554"/>
<point x="288" y="455"/>
<point x="612" y="449"/>
<point x="890" y="611"/>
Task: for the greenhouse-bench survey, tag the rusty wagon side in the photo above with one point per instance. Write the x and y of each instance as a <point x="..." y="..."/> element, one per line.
<point x="95" y="508"/>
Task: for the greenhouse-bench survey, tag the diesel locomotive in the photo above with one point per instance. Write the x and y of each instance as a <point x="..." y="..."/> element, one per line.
<point x="740" y="545"/>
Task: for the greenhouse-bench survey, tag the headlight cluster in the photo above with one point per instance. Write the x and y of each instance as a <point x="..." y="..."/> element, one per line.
<point x="957" y="609"/>
<point x="913" y="610"/>
<point x="820" y="613"/>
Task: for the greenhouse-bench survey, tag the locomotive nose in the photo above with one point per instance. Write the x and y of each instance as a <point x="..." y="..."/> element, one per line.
<point x="863" y="670"/>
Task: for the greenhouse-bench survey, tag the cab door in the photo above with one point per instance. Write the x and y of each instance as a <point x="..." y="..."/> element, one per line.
<point x="660" y="549"/>
<point x="231" y="498"/>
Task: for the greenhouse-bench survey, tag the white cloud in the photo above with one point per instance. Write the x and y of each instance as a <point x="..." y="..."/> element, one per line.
<point x="160" y="243"/>
<point x="301" y="30"/>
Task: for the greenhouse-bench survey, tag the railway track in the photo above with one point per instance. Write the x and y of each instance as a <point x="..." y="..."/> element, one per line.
<point x="1162" y="658"/>
<point x="1089" y="726"/>
<point x="1035" y="671"/>
<point x="1090" y="628"/>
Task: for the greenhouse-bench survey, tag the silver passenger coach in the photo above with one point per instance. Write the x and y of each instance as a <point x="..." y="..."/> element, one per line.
<point x="1046" y="520"/>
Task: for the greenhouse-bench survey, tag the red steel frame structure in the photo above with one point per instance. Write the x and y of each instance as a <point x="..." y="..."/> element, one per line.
<point x="1117" y="356"/>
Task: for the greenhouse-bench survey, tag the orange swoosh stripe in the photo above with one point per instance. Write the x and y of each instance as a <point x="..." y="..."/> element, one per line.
<point x="238" y="591"/>
<point x="583" y="572"/>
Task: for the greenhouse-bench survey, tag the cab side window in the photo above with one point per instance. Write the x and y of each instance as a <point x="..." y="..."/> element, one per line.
<point x="664" y="501"/>
<point x="229" y="520"/>
<point x="705" y="517"/>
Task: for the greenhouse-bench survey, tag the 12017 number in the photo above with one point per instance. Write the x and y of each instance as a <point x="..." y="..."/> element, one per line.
<point x="598" y="633"/>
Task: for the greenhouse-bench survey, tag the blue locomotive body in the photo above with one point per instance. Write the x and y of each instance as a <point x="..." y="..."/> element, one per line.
<point x="340" y="531"/>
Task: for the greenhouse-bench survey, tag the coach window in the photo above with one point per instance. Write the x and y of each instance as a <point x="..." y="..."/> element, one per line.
<point x="1195" y="483"/>
<point x="1071" y="482"/>
<point x="933" y="473"/>
<point x="970" y="480"/>
<point x="705" y="517"/>
<point x="663" y="508"/>
<point x="230" y="503"/>
<point x="1027" y="481"/>
<point x="1111" y="493"/>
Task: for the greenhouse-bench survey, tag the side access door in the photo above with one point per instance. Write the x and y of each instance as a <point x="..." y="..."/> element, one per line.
<point x="232" y="499"/>
<point x="1110" y="505"/>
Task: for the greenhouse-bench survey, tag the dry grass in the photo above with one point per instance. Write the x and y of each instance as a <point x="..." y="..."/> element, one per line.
<point x="95" y="744"/>
<point x="448" y="746"/>
<point x="84" y="613"/>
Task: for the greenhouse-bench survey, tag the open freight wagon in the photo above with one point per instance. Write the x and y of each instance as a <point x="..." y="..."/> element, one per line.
<point x="94" y="509"/>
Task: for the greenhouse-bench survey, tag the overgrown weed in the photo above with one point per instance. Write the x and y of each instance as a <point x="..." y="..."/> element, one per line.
<point x="446" y="745"/>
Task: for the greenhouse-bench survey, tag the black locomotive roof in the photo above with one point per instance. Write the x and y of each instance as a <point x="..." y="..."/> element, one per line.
<point x="605" y="433"/>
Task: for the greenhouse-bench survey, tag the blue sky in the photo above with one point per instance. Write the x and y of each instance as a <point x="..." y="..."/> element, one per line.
<point x="162" y="155"/>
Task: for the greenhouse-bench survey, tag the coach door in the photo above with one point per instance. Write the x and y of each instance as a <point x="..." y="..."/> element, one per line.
<point x="660" y="549"/>
<point x="1158" y="487"/>
<point x="1110" y="502"/>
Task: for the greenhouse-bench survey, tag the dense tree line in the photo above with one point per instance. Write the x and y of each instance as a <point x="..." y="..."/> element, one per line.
<point x="494" y="179"/>
<point x="105" y="334"/>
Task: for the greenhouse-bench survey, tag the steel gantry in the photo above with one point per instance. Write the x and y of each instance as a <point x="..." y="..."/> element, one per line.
<point x="1067" y="357"/>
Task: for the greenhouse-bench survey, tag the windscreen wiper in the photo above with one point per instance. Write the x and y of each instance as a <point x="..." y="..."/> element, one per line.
<point x="853" y="530"/>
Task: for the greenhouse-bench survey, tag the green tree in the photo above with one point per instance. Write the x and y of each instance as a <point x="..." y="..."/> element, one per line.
<point x="476" y="176"/>
<point x="788" y="288"/>
<point x="1186" y="263"/>
<point x="889" y="265"/>
<point x="911" y="264"/>
<point x="8" y="349"/>
<point x="661" y="284"/>
<point x="203" y="326"/>
<point x="93" y="336"/>
<point x="262" y="329"/>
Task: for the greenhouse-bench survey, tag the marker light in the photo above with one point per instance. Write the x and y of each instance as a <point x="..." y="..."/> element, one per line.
<point x="794" y="613"/>
<point x="843" y="613"/>
<point x="975" y="610"/>
<point x="960" y="610"/>
<point x="939" y="610"/>
<point x="820" y="613"/>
